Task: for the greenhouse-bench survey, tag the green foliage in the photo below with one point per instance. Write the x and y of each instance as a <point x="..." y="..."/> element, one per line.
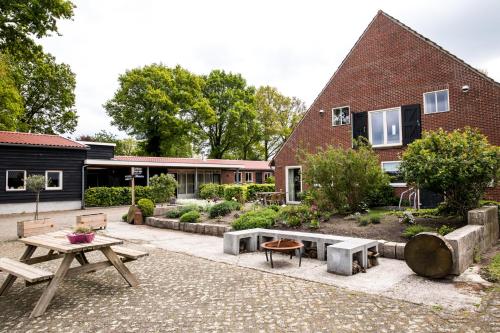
<point x="163" y="187"/>
<point x="382" y="196"/>
<point x="82" y="230"/>
<point x="124" y="217"/>
<point x="263" y="218"/>
<point x="491" y="203"/>
<point x="254" y="188"/>
<point x="146" y="206"/>
<point x="190" y="217"/>
<point x="375" y="219"/>
<point x="276" y="208"/>
<point x="314" y="224"/>
<point x="444" y="230"/>
<point x="278" y="115"/>
<point x="211" y="191"/>
<point x="295" y="215"/>
<point x="178" y="212"/>
<point x="22" y="21"/>
<point x="341" y="180"/>
<point x="47" y="89"/>
<point x="270" y="180"/>
<point x="364" y="220"/>
<point x="223" y="208"/>
<point x="115" y="196"/>
<point x="128" y="146"/>
<point x="238" y="192"/>
<point x="11" y="103"/>
<point x="154" y="102"/>
<point x="458" y="165"/>
<point x="413" y="230"/>
<point x="493" y="269"/>
<point x="35" y="183"/>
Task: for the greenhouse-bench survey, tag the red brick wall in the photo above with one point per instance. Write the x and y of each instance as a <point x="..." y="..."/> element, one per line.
<point x="390" y="66"/>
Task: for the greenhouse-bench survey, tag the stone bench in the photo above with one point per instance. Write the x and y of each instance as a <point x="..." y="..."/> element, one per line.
<point x="340" y="256"/>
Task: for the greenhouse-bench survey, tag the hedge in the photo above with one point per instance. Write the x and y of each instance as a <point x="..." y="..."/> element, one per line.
<point x="254" y="188"/>
<point x="239" y="192"/>
<point x="223" y="208"/>
<point x="115" y="196"/>
<point x="146" y="206"/>
<point x="211" y="191"/>
<point x="263" y="218"/>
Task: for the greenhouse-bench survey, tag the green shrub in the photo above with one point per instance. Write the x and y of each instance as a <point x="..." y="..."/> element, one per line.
<point x="492" y="271"/>
<point x="115" y="196"/>
<point x="295" y="215"/>
<point x="211" y="191"/>
<point x="191" y="216"/>
<point x="364" y="221"/>
<point x="124" y="217"/>
<point x="314" y="224"/>
<point x="276" y="208"/>
<point x="223" y="208"/>
<point x="383" y="195"/>
<point x="414" y="230"/>
<point x="458" y="165"/>
<point x="341" y="179"/>
<point x="254" y="188"/>
<point x="263" y="218"/>
<point x="270" y="180"/>
<point x="239" y="192"/>
<point x="146" y="206"/>
<point x="179" y="211"/>
<point x="173" y="214"/>
<point x="444" y="230"/>
<point x="375" y="219"/>
<point x="163" y="187"/>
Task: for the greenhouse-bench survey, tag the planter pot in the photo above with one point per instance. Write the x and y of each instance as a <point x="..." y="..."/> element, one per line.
<point x="80" y="238"/>
<point x="138" y="218"/>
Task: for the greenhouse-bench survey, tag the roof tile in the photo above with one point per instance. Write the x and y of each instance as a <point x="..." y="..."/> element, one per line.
<point x="45" y="140"/>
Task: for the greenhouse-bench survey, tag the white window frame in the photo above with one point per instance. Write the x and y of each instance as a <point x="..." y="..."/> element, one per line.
<point x="392" y="184"/>
<point x="7" y="182"/>
<point x="267" y="175"/>
<point x="246" y="177"/>
<point x="237" y="179"/>
<point x="60" y="187"/>
<point x="435" y="99"/>
<point x="286" y="183"/>
<point x="339" y="108"/>
<point x="370" y="132"/>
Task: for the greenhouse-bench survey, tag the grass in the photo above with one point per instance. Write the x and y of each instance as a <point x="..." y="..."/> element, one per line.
<point x="492" y="271"/>
<point x="414" y="230"/>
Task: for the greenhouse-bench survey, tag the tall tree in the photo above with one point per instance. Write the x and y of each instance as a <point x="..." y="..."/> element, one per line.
<point x="152" y="103"/>
<point x="11" y="104"/>
<point x="219" y="122"/>
<point x="23" y="20"/>
<point x="128" y="146"/>
<point x="278" y="115"/>
<point x="48" y="95"/>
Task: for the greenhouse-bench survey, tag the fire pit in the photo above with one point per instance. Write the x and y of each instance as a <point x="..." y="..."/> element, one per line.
<point x="283" y="246"/>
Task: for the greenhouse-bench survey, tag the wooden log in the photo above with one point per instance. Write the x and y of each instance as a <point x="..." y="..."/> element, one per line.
<point x="430" y="255"/>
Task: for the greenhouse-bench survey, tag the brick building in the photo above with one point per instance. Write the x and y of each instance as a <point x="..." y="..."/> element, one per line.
<point x="393" y="84"/>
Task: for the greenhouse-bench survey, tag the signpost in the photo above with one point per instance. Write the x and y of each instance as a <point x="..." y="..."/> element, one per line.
<point x="134" y="173"/>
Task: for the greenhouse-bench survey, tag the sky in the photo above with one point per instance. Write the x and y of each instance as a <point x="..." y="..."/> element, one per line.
<point x="294" y="46"/>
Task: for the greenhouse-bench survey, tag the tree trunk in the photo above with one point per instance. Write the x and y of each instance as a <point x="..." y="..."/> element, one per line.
<point x="429" y="254"/>
<point x="36" y="207"/>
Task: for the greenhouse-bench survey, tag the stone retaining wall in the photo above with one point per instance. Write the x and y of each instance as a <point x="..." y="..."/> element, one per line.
<point x="391" y="250"/>
<point x="198" y="228"/>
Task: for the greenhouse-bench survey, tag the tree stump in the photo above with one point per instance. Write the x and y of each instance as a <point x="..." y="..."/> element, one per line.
<point x="430" y="255"/>
<point x="131" y="214"/>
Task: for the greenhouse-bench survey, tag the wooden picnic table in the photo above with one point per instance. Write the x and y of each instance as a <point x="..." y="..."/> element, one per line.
<point x="270" y="196"/>
<point x="60" y="247"/>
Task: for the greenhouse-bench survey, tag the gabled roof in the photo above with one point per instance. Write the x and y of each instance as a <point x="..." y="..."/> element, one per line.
<point x="42" y="140"/>
<point x="407" y="28"/>
<point x="184" y="162"/>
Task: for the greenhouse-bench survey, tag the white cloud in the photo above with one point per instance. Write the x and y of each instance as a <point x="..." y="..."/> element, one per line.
<point x="293" y="45"/>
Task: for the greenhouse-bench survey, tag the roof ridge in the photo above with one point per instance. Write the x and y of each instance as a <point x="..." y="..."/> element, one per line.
<point x="39" y="134"/>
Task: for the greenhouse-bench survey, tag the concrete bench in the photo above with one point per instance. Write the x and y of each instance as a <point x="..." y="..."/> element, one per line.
<point x="26" y="272"/>
<point x="340" y="256"/>
<point x="232" y="241"/>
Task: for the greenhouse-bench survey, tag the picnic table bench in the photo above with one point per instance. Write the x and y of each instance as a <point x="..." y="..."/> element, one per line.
<point x="60" y="247"/>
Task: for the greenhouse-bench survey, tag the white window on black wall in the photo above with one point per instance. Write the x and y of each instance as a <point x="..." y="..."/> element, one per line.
<point x="341" y="116"/>
<point x="436" y="101"/>
<point x="53" y="180"/>
<point x="15" y="180"/>
<point x="385" y="127"/>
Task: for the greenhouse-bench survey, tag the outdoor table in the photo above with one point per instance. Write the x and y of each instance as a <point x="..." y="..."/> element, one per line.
<point x="60" y="247"/>
<point x="283" y="245"/>
<point x="265" y="196"/>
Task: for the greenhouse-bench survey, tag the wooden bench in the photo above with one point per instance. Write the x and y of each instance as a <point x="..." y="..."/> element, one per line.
<point x="29" y="273"/>
<point x="128" y="253"/>
<point x="94" y="221"/>
<point x="34" y="227"/>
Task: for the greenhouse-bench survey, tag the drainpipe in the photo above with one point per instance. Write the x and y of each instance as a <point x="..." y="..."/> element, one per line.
<point x="83" y="186"/>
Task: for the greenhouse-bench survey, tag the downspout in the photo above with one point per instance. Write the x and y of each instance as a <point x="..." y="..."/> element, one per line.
<point x="83" y="186"/>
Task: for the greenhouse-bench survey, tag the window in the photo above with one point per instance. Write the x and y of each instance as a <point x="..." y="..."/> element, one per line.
<point x="248" y="177"/>
<point x="385" y="127"/>
<point x="436" y="101"/>
<point x="267" y="175"/>
<point x="237" y="177"/>
<point x="293" y="183"/>
<point x="392" y="169"/>
<point x="15" y="180"/>
<point x="341" y="116"/>
<point x="53" y="180"/>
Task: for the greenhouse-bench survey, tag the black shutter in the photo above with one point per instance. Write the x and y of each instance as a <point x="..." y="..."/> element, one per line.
<point x="360" y="125"/>
<point x="412" y="130"/>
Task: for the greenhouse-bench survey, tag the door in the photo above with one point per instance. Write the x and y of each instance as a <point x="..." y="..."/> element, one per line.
<point x="185" y="189"/>
<point x="293" y="184"/>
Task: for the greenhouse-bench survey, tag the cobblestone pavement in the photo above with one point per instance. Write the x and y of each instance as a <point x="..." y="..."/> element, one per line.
<point x="181" y="293"/>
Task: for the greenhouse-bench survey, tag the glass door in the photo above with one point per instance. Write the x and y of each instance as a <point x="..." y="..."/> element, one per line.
<point x="293" y="184"/>
<point x="185" y="189"/>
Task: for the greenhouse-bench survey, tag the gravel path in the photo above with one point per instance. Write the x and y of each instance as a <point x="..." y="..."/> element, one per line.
<point x="182" y="293"/>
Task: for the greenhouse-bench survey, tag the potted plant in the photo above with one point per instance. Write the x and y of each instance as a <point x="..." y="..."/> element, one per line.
<point x="35" y="183"/>
<point x="81" y="235"/>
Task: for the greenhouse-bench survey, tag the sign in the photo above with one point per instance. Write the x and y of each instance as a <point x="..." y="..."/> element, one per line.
<point x="136" y="171"/>
<point x="138" y="176"/>
<point x="128" y="177"/>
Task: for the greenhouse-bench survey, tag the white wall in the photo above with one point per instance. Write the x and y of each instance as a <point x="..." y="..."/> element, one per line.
<point x="16" y="208"/>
